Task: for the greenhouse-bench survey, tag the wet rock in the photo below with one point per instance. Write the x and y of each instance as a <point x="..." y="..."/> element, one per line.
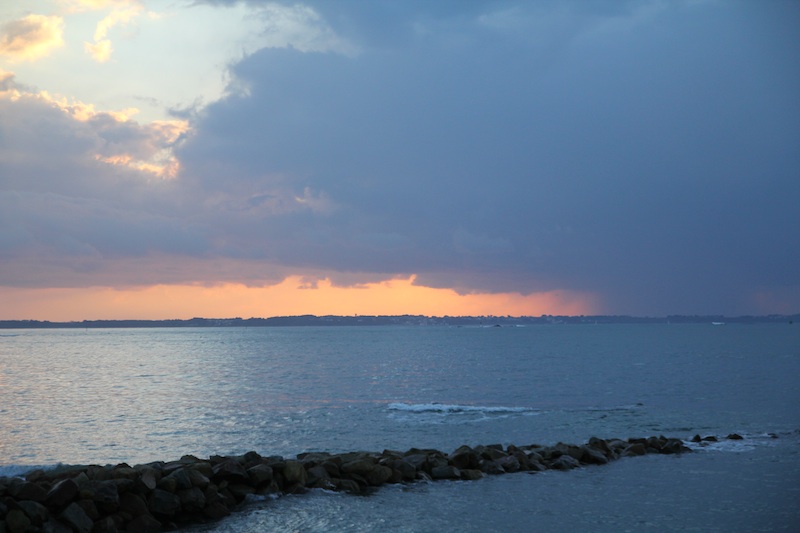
<point x="192" y="500"/>
<point x="509" y="464"/>
<point x="159" y="495"/>
<point x="182" y="479"/>
<point x="673" y="446"/>
<point x="240" y="491"/>
<point x="216" y="511"/>
<point x="734" y="436"/>
<point x="61" y="494"/>
<point x="445" y="472"/>
<point x="261" y="475"/>
<point x="487" y="466"/>
<point x="294" y="473"/>
<point x="470" y="474"/>
<point x="634" y="449"/>
<point x="230" y="470"/>
<point x="405" y="469"/>
<point x="143" y="524"/>
<point x="133" y="504"/>
<point x="417" y="460"/>
<point x="162" y="502"/>
<point x="76" y="518"/>
<point x="464" y="458"/>
<point x="565" y="462"/>
<point x="346" y="485"/>
<point x="17" y="521"/>
<point x="148" y="478"/>
<point x="25" y="490"/>
<point x="105" y="525"/>
<point x="315" y="475"/>
<point x="36" y="512"/>
<point x="593" y="456"/>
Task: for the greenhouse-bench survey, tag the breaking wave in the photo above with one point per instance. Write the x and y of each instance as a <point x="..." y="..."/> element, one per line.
<point x="456" y="408"/>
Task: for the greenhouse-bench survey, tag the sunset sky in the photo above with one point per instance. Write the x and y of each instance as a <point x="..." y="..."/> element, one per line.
<point x="221" y="158"/>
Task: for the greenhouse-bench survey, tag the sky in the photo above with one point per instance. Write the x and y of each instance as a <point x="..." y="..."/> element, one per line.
<point x="222" y="158"/>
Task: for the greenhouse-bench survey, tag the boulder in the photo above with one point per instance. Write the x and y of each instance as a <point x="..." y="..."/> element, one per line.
<point x="593" y="456"/>
<point x="106" y="496"/>
<point x="418" y="460"/>
<point x="470" y="474"/>
<point x="148" y="478"/>
<point x="216" y="511"/>
<point x="464" y="458"/>
<point x="361" y="467"/>
<point x="230" y="470"/>
<point x="105" y="525"/>
<point x="37" y="512"/>
<point x="61" y="494"/>
<point x="17" y="521"/>
<point x="406" y="470"/>
<point x="565" y="462"/>
<point x="379" y="475"/>
<point x="490" y="467"/>
<point x="634" y="449"/>
<point x="261" y="475"/>
<point x="75" y="517"/>
<point x="192" y="500"/>
<point x="445" y="472"/>
<point x="164" y="503"/>
<point x="315" y="475"/>
<point x="294" y="473"/>
<point x="133" y="505"/>
<point x="143" y="524"/>
<point x="509" y="463"/>
<point x="182" y="479"/>
<point x="25" y="490"/>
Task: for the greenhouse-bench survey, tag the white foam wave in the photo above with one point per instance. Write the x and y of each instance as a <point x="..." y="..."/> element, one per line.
<point x="20" y="470"/>
<point x="747" y="443"/>
<point x="457" y="408"/>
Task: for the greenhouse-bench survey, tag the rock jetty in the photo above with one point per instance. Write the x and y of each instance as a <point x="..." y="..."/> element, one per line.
<point x="164" y="496"/>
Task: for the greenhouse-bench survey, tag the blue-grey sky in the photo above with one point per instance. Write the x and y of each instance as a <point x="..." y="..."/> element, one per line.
<point x="643" y="154"/>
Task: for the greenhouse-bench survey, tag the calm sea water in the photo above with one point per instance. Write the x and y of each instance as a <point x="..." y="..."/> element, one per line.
<point x="139" y="395"/>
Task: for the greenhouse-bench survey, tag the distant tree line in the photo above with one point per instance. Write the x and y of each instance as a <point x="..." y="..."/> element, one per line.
<point x="400" y="320"/>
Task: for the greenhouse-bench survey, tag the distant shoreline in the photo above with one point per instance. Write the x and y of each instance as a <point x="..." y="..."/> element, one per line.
<point x="399" y="320"/>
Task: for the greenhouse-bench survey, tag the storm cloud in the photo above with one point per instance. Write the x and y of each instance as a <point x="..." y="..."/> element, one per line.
<point x="647" y="153"/>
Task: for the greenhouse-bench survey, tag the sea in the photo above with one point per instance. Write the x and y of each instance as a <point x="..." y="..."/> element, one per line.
<point x="107" y="396"/>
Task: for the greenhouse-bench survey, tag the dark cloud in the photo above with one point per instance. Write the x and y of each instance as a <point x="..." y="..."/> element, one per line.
<point x="645" y="152"/>
<point x="650" y="156"/>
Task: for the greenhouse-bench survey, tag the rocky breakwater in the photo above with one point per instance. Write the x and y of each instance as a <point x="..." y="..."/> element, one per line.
<point x="167" y="495"/>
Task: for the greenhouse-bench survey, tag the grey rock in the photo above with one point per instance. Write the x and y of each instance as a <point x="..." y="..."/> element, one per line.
<point x="262" y="474"/>
<point x="162" y="502"/>
<point x="76" y="518"/>
<point x="17" y="521"/>
<point x="37" y="512"/>
<point x="230" y="470"/>
<point x="192" y="500"/>
<point x="143" y="524"/>
<point x="61" y="493"/>
<point x="445" y="472"/>
<point x="182" y="479"/>
<point x="133" y="504"/>
<point x="565" y="462"/>
<point x="294" y="473"/>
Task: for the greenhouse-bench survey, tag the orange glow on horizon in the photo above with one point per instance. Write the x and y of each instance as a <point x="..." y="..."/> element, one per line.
<point x="292" y="296"/>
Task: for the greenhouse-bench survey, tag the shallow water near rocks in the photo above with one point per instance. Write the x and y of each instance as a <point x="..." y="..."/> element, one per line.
<point x="109" y="396"/>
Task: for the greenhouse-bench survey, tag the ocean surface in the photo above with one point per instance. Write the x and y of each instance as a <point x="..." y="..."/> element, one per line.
<point x="138" y="395"/>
